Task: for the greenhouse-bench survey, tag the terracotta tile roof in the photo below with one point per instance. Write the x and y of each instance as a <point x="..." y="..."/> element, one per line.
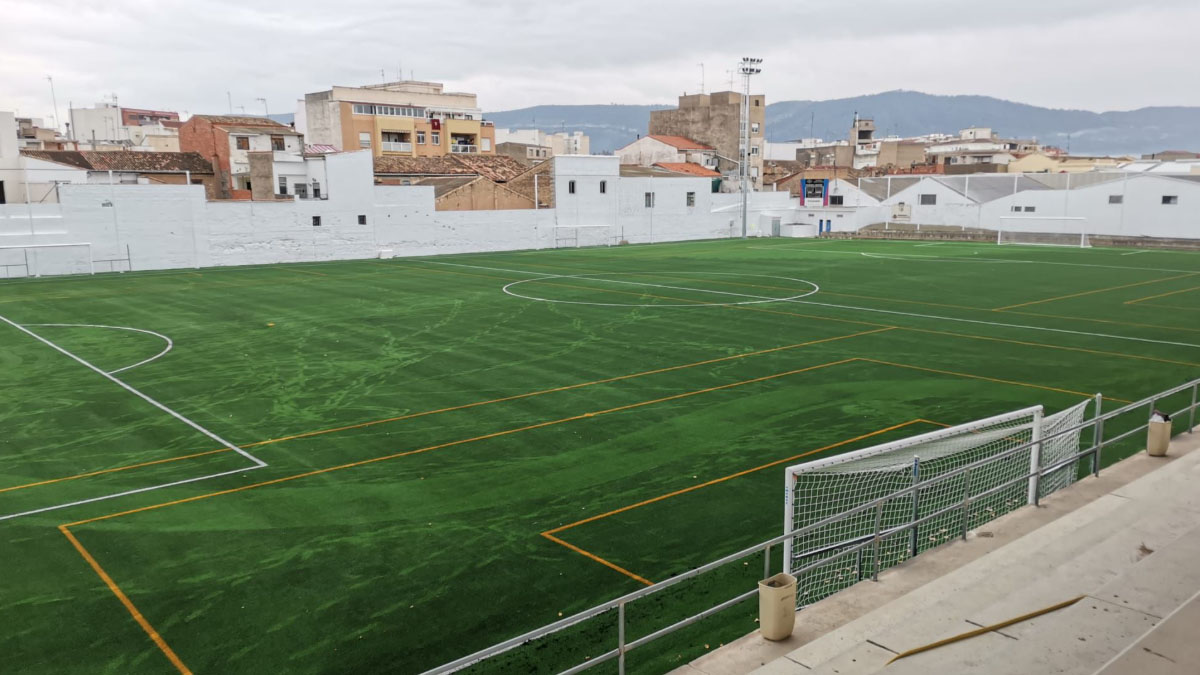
<point x="171" y="124"/>
<point x="444" y="184"/>
<point x="126" y="161"/>
<point x="498" y="168"/>
<point x="690" y="168"/>
<point x="242" y="121"/>
<point x="679" y="142"/>
<point x="319" y="149"/>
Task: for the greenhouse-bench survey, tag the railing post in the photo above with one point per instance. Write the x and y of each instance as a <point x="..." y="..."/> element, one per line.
<point x="1095" y="461"/>
<point x="875" y="546"/>
<point x="1098" y="455"/>
<point x="1192" y="410"/>
<point x="621" y="639"/>
<point x="966" y="503"/>
<point x="767" y="562"/>
<point x="1035" y="459"/>
<point x="916" y="478"/>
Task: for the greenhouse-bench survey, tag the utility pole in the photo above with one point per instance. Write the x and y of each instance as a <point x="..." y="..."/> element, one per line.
<point x="701" y="78"/>
<point x="750" y="66"/>
<point x="54" y="99"/>
<point x="229" y="97"/>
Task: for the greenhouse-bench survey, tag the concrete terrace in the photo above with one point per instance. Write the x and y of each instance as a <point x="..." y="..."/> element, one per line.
<point x="1127" y="542"/>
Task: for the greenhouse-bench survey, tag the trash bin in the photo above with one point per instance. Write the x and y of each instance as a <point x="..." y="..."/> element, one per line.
<point x="1158" y="437"/>
<point x="777" y="606"/>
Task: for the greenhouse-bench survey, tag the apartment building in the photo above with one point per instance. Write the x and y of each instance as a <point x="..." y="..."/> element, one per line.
<point x="715" y="120"/>
<point x="106" y="126"/>
<point x="979" y="146"/>
<point x="406" y="119"/>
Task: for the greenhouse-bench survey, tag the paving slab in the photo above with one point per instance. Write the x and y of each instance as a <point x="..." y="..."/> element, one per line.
<point x="1170" y="648"/>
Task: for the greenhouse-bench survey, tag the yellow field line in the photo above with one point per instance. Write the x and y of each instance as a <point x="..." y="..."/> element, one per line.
<point x="602" y="561"/>
<point x="496" y="434"/>
<point x="114" y="470"/>
<point x="1161" y="295"/>
<point x="465" y="406"/>
<point x="1098" y="290"/>
<point x="132" y="609"/>
<point x="992" y="379"/>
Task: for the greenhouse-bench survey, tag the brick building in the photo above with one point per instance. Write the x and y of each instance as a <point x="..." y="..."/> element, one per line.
<point x="228" y="141"/>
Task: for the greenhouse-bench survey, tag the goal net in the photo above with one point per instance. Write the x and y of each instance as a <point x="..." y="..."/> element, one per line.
<point x="580" y="236"/>
<point x="1043" y="231"/>
<point x="45" y="260"/>
<point x="897" y="475"/>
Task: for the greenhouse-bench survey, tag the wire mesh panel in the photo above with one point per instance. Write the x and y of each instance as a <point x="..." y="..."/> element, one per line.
<point x="1059" y="446"/>
<point x="900" y="483"/>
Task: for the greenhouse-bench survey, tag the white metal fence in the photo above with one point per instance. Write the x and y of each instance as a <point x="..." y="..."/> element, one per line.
<point x="1137" y="413"/>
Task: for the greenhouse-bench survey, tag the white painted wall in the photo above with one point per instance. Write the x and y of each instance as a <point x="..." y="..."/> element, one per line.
<point x="165" y="226"/>
<point x="647" y="151"/>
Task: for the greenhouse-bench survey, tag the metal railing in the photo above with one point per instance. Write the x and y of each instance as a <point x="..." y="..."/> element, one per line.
<point x="459" y="149"/>
<point x="395" y="146"/>
<point x="1094" y="454"/>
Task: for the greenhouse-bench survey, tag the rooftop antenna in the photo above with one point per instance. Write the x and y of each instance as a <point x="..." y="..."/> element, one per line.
<point x="266" y="113"/>
<point x="382" y="76"/>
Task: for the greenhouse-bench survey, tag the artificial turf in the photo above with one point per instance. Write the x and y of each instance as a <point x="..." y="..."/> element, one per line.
<point x="423" y="427"/>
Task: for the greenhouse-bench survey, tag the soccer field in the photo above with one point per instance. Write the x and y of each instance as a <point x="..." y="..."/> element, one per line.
<point x="380" y="466"/>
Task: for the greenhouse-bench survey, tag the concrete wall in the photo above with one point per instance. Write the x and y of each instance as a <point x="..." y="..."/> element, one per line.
<point x="164" y="226"/>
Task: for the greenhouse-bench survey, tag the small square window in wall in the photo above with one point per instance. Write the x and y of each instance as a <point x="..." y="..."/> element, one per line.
<point x="837" y="200"/>
<point x="316" y="221"/>
<point x="1030" y="209"/>
<point x="691" y="199"/>
<point x="1170" y="199"/>
<point x="571" y="187"/>
<point x="603" y="187"/>
<point x="649" y="200"/>
<point x="1016" y="209"/>
<point x="1116" y="199"/>
<point x="364" y="139"/>
<point x="928" y="200"/>
<point x="242" y="142"/>
<point x="362" y="220"/>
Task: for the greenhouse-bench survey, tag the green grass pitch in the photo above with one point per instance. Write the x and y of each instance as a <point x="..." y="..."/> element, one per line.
<point x="454" y="458"/>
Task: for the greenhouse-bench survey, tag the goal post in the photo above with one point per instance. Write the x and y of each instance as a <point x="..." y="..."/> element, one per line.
<point x="1043" y="231"/>
<point x="583" y="236"/>
<point x="861" y="512"/>
<point x="36" y="260"/>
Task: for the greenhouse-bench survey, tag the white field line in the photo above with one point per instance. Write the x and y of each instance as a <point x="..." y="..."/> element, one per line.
<point x="258" y="463"/>
<point x="591" y="275"/>
<point x="1035" y="262"/>
<point x="166" y="339"/>
<point x="1135" y="252"/>
<point x="881" y="311"/>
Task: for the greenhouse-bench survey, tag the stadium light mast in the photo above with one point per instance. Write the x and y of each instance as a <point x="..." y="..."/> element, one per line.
<point x="750" y="66"/>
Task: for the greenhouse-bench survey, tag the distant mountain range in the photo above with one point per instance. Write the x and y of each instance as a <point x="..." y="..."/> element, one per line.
<point x="902" y="113"/>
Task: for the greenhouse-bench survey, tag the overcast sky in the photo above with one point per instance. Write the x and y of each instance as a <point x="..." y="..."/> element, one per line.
<point x="186" y="54"/>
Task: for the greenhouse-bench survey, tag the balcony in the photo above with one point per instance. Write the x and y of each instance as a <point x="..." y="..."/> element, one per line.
<point x="464" y="149"/>
<point x="394" y="146"/>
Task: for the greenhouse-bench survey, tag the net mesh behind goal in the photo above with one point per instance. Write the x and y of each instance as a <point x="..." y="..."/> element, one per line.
<point x="1043" y="231"/>
<point x="824" y="488"/>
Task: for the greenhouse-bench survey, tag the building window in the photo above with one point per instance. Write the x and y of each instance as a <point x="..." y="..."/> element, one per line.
<point x="928" y="200"/>
<point x="316" y="190"/>
<point x="649" y="200"/>
<point x="1170" y="199"/>
<point x="1030" y="209"/>
<point x="754" y="127"/>
<point x="1116" y="199"/>
<point x="435" y="138"/>
<point x="316" y="221"/>
<point x="571" y="187"/>
<point x="301" y="190"/>
<point x="420" y="138"/>
<point x="485" y="144"/>
<point x="282" y="185"/>
<point x="754" y="150"/>
<point x="242" y="142"/>
<point x="1016" y="209"/>
<point x="837" y="200"/>
<point x="277" y="143"/>
<point x="363" y="109"/>
<point x="362" y="220"/>
<point x="603" y="187"/>
<point x="364" y="139"/>
<point x="691" y="199"/>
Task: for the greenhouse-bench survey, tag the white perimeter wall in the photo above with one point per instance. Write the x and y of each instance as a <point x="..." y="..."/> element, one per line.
<point x="166" y="226"/>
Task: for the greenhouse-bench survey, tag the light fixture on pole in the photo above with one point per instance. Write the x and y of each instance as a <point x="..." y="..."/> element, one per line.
<point x="750" y="66"/>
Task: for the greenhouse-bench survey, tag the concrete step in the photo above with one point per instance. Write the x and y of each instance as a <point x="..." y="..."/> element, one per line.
<point x="1170" y="648"/>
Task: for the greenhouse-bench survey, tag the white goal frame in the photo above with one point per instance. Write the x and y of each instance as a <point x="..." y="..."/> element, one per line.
<point x="1083" y="237"/>
<point x="32" y="270"/>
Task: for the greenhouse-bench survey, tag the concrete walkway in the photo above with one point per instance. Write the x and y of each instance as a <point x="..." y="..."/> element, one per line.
<point x="1128" y="542"/>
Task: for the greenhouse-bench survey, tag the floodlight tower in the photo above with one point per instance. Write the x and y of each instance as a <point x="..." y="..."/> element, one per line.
<point x="750" y="66"/>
